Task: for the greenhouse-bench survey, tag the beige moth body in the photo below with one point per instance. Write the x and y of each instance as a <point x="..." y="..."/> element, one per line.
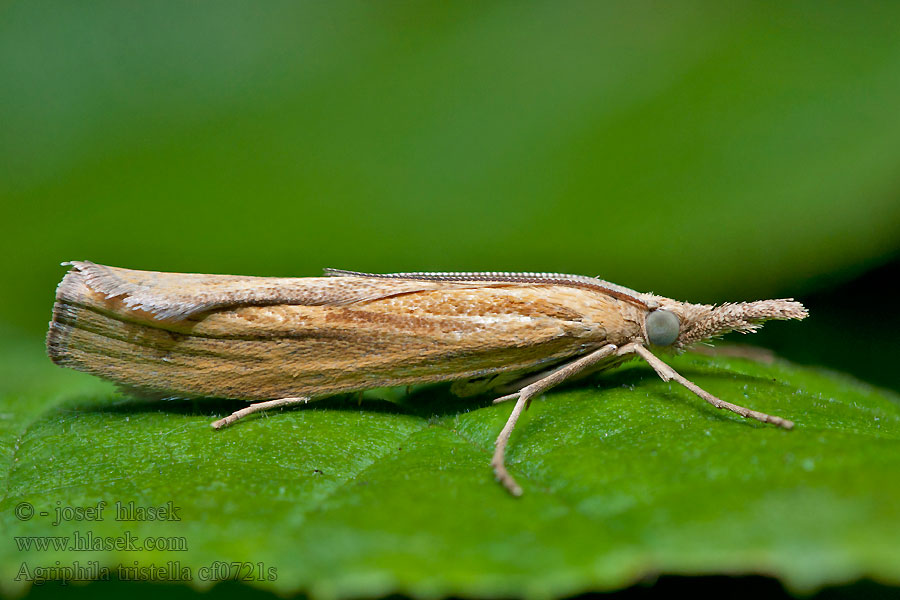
<point x="281" y="341"/>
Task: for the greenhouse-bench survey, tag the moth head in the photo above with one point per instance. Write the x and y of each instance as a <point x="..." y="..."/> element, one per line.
<point x="679" y="324"/>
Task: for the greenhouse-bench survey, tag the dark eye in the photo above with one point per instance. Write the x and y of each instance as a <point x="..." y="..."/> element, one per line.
<point x="662" y="327"/>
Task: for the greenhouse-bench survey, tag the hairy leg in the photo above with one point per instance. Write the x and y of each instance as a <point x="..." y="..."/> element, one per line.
<point x="523" y="398"/>
<point x="667" y="373"/>
<point x="240" y="414"/>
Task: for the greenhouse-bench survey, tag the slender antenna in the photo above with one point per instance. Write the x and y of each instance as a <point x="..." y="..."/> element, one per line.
<point x="616" y="291"/>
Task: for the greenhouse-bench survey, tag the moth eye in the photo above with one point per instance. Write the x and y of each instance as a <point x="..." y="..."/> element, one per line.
<point x="663" y="327"/>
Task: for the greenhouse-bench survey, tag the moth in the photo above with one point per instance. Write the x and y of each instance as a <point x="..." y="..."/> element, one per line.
<point x="284" y="341"/>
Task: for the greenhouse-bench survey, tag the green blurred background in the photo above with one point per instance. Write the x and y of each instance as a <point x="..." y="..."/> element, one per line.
<point x="706" y="151"/>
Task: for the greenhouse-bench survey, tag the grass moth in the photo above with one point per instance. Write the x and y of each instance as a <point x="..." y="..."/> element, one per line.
<point x="284" y="341"/>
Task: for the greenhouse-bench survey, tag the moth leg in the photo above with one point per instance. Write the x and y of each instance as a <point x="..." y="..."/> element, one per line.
<point x="240" y="414"/>
<point x="498" y="462"/>
<point x="528" y="380"/>
<point x="524" y="382"/>
<point x="667" y="373"/>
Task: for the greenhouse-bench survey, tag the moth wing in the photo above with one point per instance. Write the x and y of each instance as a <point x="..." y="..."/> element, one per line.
<point x="181" y="295"/>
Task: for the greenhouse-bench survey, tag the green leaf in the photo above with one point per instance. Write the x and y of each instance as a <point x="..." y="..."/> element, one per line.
<point x="625" y="476"/>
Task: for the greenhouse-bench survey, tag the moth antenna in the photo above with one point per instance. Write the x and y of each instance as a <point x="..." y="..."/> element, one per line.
<point x="617" y="291"/>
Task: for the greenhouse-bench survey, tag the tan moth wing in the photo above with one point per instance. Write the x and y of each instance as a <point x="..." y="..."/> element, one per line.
<point x="263" y="338"/>
<point x="180" y="295"/>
